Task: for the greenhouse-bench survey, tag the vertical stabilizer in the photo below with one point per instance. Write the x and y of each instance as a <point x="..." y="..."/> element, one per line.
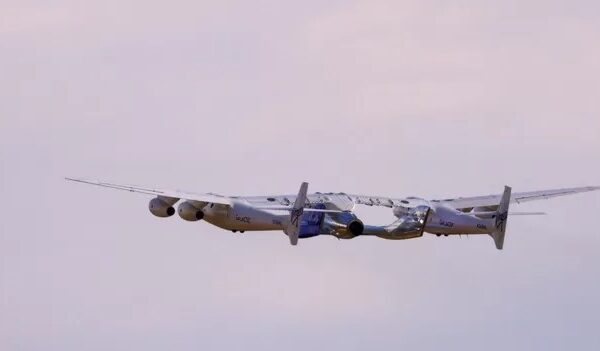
<point x="501" y="219"/>
<point x="293" y="230"/>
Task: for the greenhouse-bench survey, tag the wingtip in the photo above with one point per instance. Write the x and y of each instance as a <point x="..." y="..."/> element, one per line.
<point x="71" y="179"/>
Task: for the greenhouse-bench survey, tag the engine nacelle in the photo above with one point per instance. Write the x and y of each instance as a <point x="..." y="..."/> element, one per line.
<point x="189" y="212"/>
<point x="162" y="206"/>
<point x="356" y="227"/>
<point x="343" y="225"/>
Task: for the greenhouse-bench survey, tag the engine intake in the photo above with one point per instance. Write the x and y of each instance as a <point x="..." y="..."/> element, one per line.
<point x="162" y="207"/>
<point x="356" y="227"/>
<point x="189" y="212"/>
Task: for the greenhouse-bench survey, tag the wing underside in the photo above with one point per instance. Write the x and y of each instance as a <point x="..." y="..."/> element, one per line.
<point x="461" y="203"/>
<point x="468" y="203"/>
<point x="493" y="200"/>
<point x="175" y="194"/>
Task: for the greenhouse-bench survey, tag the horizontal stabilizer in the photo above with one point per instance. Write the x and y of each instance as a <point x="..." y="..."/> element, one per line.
<point x="493" y="214"/>
<point x="527" y="213"/>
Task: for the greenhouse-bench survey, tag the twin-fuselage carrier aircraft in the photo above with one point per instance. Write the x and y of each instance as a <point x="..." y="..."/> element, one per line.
<point x="307" y="215"/>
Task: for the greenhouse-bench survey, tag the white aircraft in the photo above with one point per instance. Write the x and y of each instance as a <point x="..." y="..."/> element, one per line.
<point x="308" y="215"/>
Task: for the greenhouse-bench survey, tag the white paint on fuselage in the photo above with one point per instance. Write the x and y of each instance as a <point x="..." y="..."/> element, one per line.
<point x="242" y="215"/>
<point x="251" y="213"/>
<point x="448" y="221"/>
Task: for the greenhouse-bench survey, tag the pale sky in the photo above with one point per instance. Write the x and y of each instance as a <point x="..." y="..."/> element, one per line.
<point x="393" y="98"/>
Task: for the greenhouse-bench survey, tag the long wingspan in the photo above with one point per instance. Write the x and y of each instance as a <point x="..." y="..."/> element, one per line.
<point x="493" y="200"/>
<point x="209" y="198"/>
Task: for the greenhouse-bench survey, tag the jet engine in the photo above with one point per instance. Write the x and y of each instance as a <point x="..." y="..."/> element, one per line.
<point x="344" y="225"/>
<point x="356" y="227"/>
<point x="189" y="212"/>
<point x="162" y="206"/>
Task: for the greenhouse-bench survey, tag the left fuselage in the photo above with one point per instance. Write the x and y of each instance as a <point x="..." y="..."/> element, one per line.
<point x="243" y="216"/>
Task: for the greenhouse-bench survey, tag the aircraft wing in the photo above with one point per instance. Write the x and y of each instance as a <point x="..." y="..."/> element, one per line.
<point x="493" y="200"/>
<point x="209" y="198"/>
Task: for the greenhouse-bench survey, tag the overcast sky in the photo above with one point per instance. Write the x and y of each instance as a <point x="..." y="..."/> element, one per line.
<point x="393" y="98"/>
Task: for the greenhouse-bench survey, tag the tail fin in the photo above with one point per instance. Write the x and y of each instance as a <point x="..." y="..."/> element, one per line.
<point x="501" y="218"/>
<point x="293" y="230"/>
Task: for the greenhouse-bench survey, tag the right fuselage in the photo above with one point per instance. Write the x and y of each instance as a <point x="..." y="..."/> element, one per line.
<point x="449" y="221"/>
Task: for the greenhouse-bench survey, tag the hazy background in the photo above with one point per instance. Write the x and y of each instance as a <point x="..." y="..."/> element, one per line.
<point x="394" y="98"/>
